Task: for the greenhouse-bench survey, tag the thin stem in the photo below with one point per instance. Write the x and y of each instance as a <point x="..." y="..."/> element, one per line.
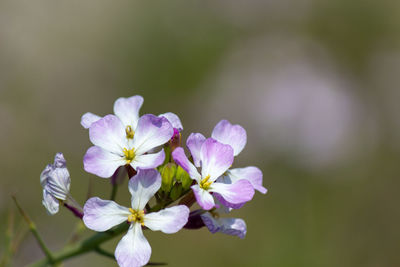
<point x="114" y="191"/>
<point x="105" y="253"/>
<point x="32" y="228"/>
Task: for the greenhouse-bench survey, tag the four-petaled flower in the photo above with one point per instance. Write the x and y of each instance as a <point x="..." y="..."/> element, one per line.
<point x="133" y="249"/>
<point x="214" y="158"/>
<point x="235" y="136"/>
<point x="56" y="182"/>
<point x="116" y="145"/>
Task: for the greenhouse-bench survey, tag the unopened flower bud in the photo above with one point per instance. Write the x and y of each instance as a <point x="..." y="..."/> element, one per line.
<point x="167" y="174"/>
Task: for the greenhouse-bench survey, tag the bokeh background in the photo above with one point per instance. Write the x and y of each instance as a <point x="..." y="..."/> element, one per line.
<point x="314" y="82"/>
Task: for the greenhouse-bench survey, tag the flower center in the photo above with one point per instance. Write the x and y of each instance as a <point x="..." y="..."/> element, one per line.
<point x="129" y="155"/>
<point x="136" y="216"/>
<point x="205" y="184"/>
<point x="129" y="132"/>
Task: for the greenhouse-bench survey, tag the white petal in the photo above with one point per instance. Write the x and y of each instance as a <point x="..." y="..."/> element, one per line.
<point x="133" y="250"/>
<point x="203" y="198"/>
<point x="101" y="162"/>
<point x="109" y="134"/>
<point x="216" y="158"/>
<point x="251" y="174"/>
<point x="180" y="158"/>
<point x="101" y="215"/>
<point x="127" y="109"/>
<point x="151" y="132"/>
<point x="194" y="143"/>
<point x="173" y="119"/>
<point x="88" y="119"/>
<point x="148" y="161"/>
<point x="233" y="135"/>
<point x="169" y="220"/>
<point x="143" y="186"/>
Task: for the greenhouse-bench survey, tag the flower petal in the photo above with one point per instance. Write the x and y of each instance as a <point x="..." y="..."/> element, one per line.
<point x="133" y="250"/>
<point x="143" y="186"/>
<point x="88" y="119"/>
<point x="173" y="119"/>
<point x="101" y="215"/>
<point x="230" y="226"/>
<point x="236" y="193"/>
<point x="233" y="135"/>
<point x="194" y="143"/>
<point x="101" y="162"/>
<point x="50" y="203"/>
<point x="251" y="174"/>
<point x="216" y="158"/>
<point x="151" y="132"/>
<point x="127" y="110"/>
<point x="109" y="134"/>
<point x="148" y="161"/>
<point x="203" y="198"/>
<point x="169" y="220"/>
<point x="180" y="158"/>
<point x="58" y="183"/>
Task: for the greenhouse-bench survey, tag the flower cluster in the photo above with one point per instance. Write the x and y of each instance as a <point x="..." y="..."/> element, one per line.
<point x="149" y="149"/>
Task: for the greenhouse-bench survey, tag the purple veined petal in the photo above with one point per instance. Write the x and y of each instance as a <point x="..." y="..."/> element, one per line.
<point x="233" y="226"/>
<point x="194" y="143"/>
<point x="210" y="222"/>
<point x="88" y="119"/>
<point x="133" y="250"/>
<point x="109" y="134"/>
<point x="58" y="183"/>
<point x="203" y="198"/>
<point x="127" y="110"/>
<point x="180" y="158"/>
<point x="151" y="132"/>
<point x="173" y="119"/>
<point x="148" y="161"/>
<point x="101" y="162"/>
<point x="45" y="173"/>
<point x="227" y="204"/>
<point x="169" y="220"/>
<point x="143" y="186"/>
<point x="50" y="203"/>
<point x="101" y="215"/>
<point x="252" y="174"/>
<point x="216" y="158"/>
<point x="239" y="192"/>
<point x="233" y="135"/>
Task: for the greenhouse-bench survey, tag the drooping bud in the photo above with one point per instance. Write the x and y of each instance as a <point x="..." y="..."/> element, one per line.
<point x="56" y="182"/>
<point x="195" y="221"/>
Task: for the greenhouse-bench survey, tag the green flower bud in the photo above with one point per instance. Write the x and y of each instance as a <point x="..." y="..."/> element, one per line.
<point x="167" y="175"/>
<point x="176" y="191"/>
<point x="183" y="177"/>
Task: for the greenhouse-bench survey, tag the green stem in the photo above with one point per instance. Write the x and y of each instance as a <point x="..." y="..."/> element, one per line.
<point x="85" y="246"/>
<point x="32" y="228"/>
<point x="103" y="252"/>
<point x="114" y="191"/>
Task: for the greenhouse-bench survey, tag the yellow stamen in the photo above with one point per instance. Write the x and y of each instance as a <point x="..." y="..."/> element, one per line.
<point x="205" y="184"/>
<point x="136" y="216"/>
<point x="129" y="155"/>
<point x="129" y="132"/>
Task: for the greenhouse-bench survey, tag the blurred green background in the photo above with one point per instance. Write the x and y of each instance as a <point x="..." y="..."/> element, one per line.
<point x="314" y="82"/>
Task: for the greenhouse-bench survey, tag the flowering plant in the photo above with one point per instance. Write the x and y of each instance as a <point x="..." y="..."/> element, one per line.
<point x="163" y="182"/>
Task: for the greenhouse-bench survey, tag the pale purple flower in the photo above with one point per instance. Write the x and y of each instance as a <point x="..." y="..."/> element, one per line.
<point x="174" y="120"/>
<point x="116" y="145"/>
<point x="133" y="249"/>
<point x="214" y="158"/>
<point x="236" y="137"/>
<point x="56" y="182"/>
<point x="230" y="226"/>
